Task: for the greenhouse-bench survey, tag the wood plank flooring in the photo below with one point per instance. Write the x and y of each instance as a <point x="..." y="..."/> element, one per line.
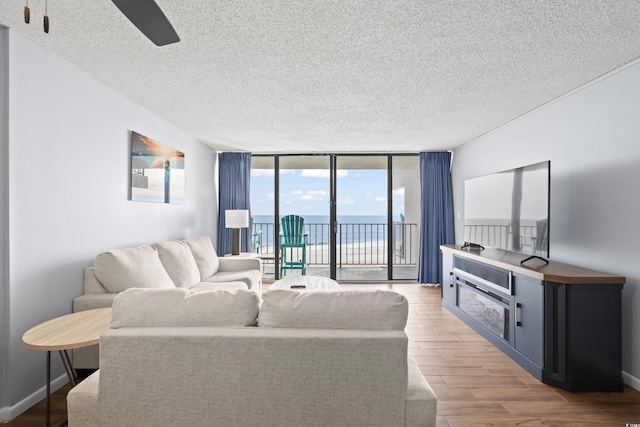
<point x="476" y="384"/>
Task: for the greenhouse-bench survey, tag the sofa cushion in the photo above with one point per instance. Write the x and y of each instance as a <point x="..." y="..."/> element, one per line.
<point x="204" y="255"/>
<point x="379" y="310"/>
<point x="177" y="259"/>
<point x="249" y="277"/>
<point x="183" y="307"/>
<point x="221" y="286"/>
<point x="137" y="267"/>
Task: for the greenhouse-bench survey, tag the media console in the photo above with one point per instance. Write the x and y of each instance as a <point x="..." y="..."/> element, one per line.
<point x="559" y="322"/>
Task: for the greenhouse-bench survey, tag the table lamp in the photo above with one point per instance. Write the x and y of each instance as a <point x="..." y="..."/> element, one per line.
<point x="236" y="219"/>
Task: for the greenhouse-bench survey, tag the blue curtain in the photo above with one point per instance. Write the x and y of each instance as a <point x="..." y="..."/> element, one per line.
<point x="234" y="174"/>
<point x="436" y="214"/>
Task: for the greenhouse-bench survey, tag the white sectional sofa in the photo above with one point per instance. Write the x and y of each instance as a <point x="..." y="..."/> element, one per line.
<point x="190" y="263"/>
<point x="180" y="358"/>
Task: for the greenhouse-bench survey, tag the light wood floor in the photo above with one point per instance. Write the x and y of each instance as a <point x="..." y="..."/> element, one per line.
<point x="476" y="384"/>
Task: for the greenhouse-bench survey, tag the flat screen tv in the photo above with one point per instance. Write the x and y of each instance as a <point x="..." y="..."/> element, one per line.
<point x="509" y="210"/>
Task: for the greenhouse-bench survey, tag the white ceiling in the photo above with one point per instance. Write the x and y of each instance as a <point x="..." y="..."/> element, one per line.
<point x="342" y="75"/>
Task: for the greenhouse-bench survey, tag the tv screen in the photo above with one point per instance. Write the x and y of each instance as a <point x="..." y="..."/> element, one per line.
<point x="509" y="210"/>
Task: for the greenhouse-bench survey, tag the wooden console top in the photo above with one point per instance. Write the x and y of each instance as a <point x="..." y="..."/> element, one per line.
<point x="553" y="272"/>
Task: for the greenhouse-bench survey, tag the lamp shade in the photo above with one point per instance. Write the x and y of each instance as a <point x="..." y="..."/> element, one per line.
<point x="237" y="218"/>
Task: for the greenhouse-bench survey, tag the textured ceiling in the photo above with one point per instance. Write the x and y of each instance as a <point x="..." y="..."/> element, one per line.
<point x="342" y="75"/>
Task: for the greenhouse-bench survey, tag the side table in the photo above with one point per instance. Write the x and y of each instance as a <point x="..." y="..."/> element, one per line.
<point x="75" y="330"/>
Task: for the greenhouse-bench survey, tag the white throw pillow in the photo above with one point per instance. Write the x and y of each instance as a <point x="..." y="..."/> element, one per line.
<point x="184" y="308"/>
<point x="205" y="256"/>
<point x="377" y="310"/>
<point x="177" y="259"/>
<point x="137" y="267"/>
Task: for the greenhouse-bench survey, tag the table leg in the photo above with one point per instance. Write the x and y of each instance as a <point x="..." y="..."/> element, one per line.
<point x="71" y="373"/>
<point x="73" y="378"/>
<point x="48" y="388"/>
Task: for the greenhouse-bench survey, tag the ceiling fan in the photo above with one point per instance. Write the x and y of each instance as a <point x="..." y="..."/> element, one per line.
<point x="150" y="20"/>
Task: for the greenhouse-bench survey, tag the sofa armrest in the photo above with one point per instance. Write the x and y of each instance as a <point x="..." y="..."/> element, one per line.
<point x="240" y="264"/>
<point x="421" y="401"/>
<point x="82" y="402"/>
<point x="91" y="301"/>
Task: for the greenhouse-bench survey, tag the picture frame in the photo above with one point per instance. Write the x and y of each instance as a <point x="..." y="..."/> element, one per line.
<point x="157" y="171"/>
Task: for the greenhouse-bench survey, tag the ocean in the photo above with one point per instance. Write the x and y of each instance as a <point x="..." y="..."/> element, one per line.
<point x="351" y="228"/>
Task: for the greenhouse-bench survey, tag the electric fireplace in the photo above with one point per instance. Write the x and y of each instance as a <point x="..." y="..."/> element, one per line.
<point x="486" y="307"/>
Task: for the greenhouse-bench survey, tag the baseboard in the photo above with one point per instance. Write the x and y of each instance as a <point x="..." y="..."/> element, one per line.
<point x="4" y="414"/>
<point x="631" y="381"/>
<point x="10" y="413"/>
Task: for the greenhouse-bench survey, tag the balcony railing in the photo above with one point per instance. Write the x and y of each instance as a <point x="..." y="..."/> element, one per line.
<point x="358" y="244"/>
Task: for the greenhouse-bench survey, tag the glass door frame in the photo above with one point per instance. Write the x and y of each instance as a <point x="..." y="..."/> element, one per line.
<point x="333" y="223"/>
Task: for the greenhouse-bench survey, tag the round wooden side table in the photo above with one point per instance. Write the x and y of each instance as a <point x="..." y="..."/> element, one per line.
<point x="75" y="330"/>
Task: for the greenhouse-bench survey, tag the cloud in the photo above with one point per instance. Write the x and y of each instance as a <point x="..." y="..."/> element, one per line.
<point x="271" y="196"/>
<point x="315" y="173"/>
<point x="313" y="194"/>
<point x="296" y="192"/>
<point x="322" y="173"/>
<point x="380" y="199"/>
<point x="345" y="201"/>
<point x="262" y="172"/>
<point x="398" y="191"/>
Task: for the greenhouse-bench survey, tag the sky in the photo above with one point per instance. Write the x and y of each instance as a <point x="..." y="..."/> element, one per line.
<point x="306" y="192"/>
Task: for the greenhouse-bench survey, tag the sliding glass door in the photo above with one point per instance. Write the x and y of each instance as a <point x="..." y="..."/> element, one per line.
<point x="304" y="191"/>
<point x="263" y="232"/>
<point x="360" y="214"/>
<point x="362" y="218"/>
<point x="405" y="189"/>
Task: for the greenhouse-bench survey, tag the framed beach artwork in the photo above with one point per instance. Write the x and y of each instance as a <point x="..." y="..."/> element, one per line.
<point x="157" y="171"/>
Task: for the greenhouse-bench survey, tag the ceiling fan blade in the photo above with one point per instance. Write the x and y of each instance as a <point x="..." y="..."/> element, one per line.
<point x="147" y="16"/>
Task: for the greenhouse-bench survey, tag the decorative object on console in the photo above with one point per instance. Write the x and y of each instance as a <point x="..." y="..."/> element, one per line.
<point x="469" y="245"/>
<point x="157" y="171"/>
<point x="236" y="219"/>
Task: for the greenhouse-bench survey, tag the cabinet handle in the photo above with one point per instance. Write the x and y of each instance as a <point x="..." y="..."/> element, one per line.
<point x="451" y="279"/>
<point x="511" y="290"/>
<point x="518" y="306"/>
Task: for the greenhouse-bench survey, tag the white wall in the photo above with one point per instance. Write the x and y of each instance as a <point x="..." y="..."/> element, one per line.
<point x="592" y="137"/>
<point x="68" y="188"/>
<point x="4" y="206"/>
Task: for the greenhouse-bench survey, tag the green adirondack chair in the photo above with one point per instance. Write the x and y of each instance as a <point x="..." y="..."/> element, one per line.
<point x="293" y="245"/>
